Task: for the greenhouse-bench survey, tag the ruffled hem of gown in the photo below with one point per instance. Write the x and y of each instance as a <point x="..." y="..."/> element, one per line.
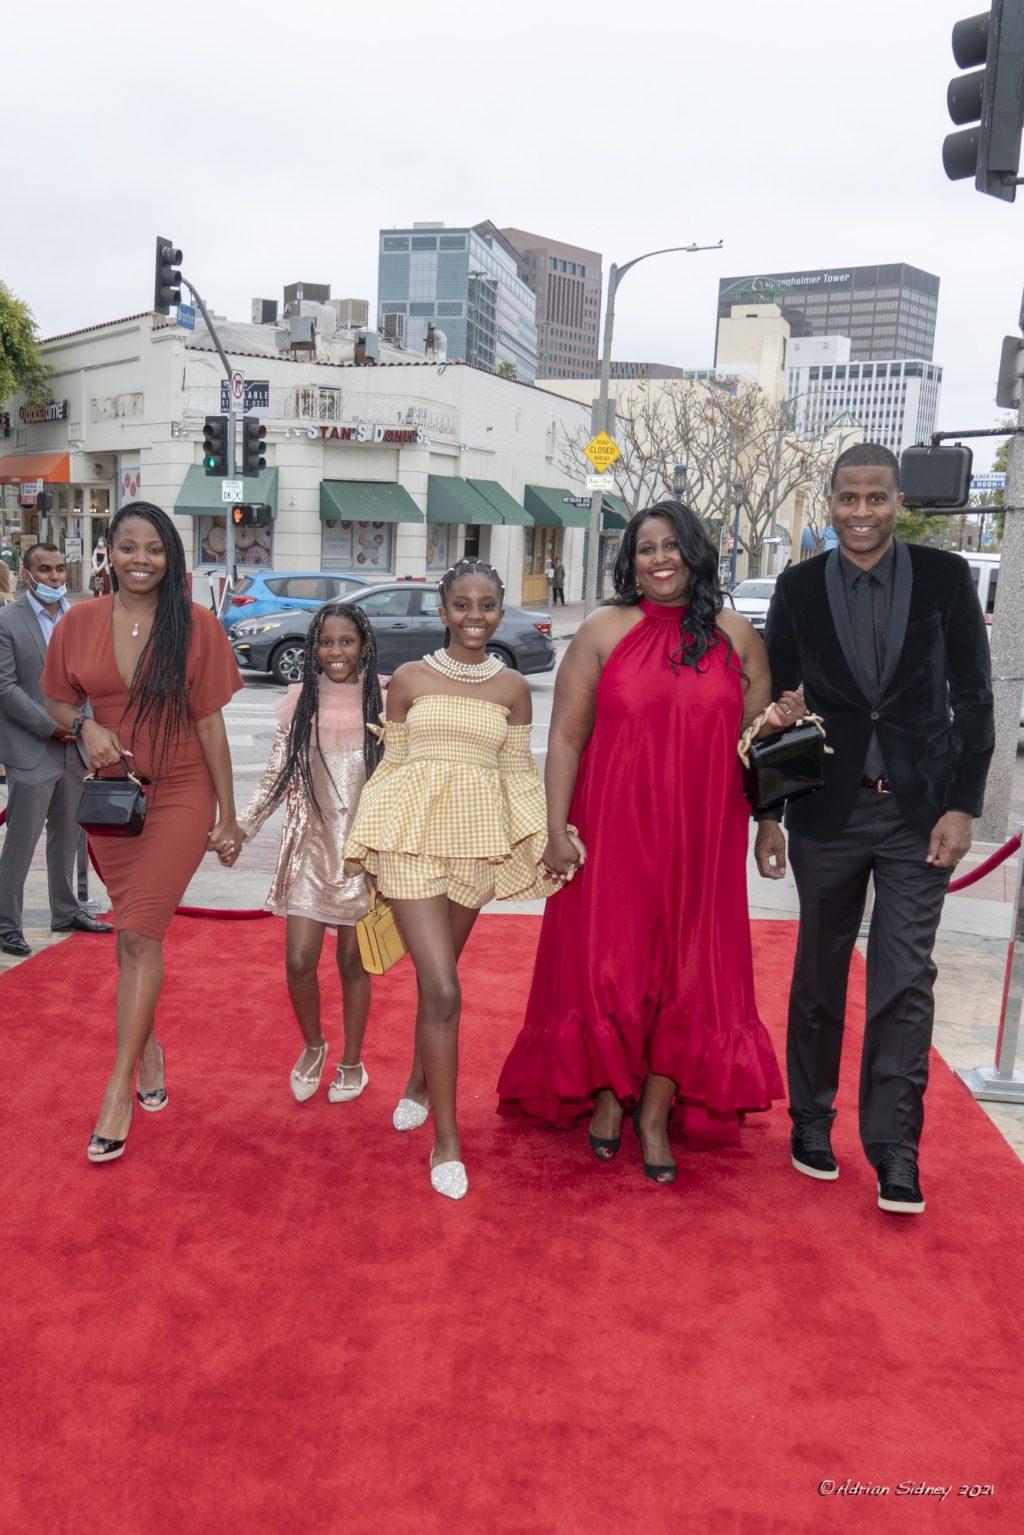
<point x="519" y="874"/>
<point x="553" y="1075"/>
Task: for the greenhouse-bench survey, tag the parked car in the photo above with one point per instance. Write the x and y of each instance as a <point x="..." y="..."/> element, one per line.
<point x="752" y="598"/>
<point x="287" y="591"/>
<point x="406" y="623"/>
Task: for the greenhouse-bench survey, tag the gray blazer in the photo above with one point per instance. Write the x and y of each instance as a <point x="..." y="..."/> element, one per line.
<point x="26" y="730"/>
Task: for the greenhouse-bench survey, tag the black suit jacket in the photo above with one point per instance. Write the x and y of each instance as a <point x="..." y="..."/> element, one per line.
<point x="932" y="709"/>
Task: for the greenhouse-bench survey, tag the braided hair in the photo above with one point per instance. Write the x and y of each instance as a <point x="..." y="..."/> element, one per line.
<point x="306" y="718"/>
<point x="158" y="691"/>
<point x="468" y="566"/>
<point x="698" y="627"/>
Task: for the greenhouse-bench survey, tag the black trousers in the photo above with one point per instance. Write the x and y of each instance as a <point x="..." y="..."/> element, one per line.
<point x="832" y="880"/>
<point x="558" y="595"/>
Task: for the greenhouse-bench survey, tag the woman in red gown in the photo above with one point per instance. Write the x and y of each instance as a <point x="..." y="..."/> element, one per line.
<point x="643" y="989"/>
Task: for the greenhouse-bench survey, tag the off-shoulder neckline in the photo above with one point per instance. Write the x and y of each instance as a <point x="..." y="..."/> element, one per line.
<point x="458" y="698"/>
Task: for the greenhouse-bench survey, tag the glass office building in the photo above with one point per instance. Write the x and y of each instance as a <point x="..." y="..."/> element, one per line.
<point x="464" y="282"/>
<point x="887" y="311"/>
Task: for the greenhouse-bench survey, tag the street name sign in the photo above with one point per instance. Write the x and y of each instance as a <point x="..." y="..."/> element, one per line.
<point x="994" y="481"/>
<point x="186" y="317"/>
<point x="232" y="490"/>
<point x="602" y="482"/>
<point x="601" y="451"/>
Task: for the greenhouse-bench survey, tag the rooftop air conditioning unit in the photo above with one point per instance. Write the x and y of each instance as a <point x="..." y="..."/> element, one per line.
<point x="264" y="311"/>
<point x="302" y="331"/>
<point x="367" y="348"/>
<point x="394" y="329"/>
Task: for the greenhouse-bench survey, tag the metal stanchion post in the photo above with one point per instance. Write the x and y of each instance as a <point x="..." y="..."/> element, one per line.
<point x="82" y="862"/>
<point x="1002" y="1083"/>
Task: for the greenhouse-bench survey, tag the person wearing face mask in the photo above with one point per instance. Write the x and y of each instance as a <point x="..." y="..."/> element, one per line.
<point x="44" y="763"/>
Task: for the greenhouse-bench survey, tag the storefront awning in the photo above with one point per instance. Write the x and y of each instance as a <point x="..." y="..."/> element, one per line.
<point x="54" y="468"/>
<point x="511" y="512"/>
<point x="200" y="495"/>
<point x="614" y="513"/>
<point x="366" y="501"/>
<point x="550" y="507"/>
<point x="451" y="499"/>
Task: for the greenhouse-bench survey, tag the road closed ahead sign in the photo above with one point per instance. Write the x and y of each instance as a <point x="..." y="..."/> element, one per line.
<point x="602" y="452"/>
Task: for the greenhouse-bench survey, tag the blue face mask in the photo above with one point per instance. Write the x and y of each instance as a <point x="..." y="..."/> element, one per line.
<point x="49" y="593"/>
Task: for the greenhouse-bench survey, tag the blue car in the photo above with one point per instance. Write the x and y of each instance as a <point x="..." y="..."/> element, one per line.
<point x="285" y="591"/>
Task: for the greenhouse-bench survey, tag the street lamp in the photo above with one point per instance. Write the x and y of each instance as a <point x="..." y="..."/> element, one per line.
<point x="737" y="488"/>
<point x="616" y="273"/>
<point x="679" y="480"/>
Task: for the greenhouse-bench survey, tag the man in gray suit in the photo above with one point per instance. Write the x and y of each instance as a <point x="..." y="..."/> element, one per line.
<point x="44" y="766"/>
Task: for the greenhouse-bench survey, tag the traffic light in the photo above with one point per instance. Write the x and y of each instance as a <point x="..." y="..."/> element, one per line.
<point x="251" y="514"/>
<point x="167" y="283"/>
<point x="990" y="99"/>
<point x="215" y="445"/>
<point x="44" y="501"/>
<point x="254" y="442"/>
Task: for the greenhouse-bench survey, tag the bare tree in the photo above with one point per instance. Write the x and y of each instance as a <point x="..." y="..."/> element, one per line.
<point x="736" y="442"/>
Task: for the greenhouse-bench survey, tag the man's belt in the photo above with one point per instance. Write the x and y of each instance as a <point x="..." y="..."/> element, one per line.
<point x="880" y="785"/>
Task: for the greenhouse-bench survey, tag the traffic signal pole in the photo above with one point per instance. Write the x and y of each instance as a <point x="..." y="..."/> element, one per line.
<point x="232" y="464"/>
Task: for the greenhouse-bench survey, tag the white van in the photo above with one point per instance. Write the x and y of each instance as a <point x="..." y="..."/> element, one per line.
<point x="985" y="570"/>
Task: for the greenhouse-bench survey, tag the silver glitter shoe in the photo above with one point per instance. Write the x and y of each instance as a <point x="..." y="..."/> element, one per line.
<point x="341" y="1091"/>
<point x="409" y="1114"/>
<point x="305" y="1083"/>
<point x="449" y="1179"/>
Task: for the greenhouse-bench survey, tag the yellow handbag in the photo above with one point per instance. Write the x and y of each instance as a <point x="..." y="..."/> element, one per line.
<point x="381" y="944"/>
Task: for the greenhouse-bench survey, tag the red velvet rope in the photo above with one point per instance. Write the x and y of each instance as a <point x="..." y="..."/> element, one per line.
<point x="221" y="914"/>
<point x="1000" y="855"/>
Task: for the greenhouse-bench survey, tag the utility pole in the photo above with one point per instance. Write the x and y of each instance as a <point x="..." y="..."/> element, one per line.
<point x="592" y="579"/>
<point x="1008" y="643"/>
<point x="232" y="464"/>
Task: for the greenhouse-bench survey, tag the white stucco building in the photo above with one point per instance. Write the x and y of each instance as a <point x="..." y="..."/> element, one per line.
<point x="395" y="468"/>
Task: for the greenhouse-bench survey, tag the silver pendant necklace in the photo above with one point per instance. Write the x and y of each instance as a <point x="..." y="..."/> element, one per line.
<point x="464" y="671"/>
<point x="124" y="610"/>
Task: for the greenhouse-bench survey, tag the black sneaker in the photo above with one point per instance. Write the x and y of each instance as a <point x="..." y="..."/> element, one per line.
<point x="899" y="1187"/>
<point x="811" y="1151"/>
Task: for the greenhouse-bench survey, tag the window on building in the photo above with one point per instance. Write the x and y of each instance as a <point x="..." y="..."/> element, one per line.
<point x="362" y="546"/>
<point x="424" y="242"/>
<point x="452" y="243"/>
<point x="421" y="309"/>
<point x="395" y="243"/>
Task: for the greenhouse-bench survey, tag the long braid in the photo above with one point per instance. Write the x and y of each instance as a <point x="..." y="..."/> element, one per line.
<point x="158" y="693"/>
<point x="468" y="566"/>
<point x="306" y="717"/>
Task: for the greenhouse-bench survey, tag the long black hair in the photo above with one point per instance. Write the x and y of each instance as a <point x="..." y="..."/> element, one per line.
<point x="698" y="627"/>
<point x="306" y="719"/>
<point x="158" y="691"/>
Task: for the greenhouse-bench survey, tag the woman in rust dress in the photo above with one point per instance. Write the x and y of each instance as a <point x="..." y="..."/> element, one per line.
<point x="157" y="670"/>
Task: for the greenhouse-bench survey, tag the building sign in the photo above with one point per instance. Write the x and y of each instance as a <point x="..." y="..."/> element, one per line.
<point x="129" y="484"/>
<point x="366" y="431"/>
<point x="34" y="415"/>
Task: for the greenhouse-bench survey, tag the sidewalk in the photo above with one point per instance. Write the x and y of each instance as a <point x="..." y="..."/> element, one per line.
<point x="564" y="620"/>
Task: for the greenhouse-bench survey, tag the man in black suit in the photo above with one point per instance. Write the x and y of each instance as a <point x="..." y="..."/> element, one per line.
<point x="889" y="644"/>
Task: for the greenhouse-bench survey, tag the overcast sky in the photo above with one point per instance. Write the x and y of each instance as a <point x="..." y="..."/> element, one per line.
<point x="271" y="142"/>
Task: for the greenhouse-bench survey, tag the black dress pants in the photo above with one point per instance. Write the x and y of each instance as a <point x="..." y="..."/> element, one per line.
<point x="832" y="881"/>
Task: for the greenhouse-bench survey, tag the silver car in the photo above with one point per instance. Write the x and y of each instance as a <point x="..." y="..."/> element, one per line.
<point x="753" y="597"/>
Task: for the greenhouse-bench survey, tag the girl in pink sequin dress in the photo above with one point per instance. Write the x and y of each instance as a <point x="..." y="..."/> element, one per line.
<point x="322" y="756"/>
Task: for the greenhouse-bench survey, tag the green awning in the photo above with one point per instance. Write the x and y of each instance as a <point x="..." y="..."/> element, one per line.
<point x="200" y="495"/>
<point x="511" y="512"/>
<point x="549" y="508"/>
<point x="366" y="501"/>
<point x="451" y="499"/>
<point x="614" y="513"/>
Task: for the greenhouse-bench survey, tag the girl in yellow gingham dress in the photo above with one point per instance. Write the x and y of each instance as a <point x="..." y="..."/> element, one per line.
<point x="453" y="817"/>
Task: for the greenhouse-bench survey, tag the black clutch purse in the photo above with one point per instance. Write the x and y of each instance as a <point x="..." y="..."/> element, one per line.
<point x="783" y="766"/>
<point x="113" y="807"/>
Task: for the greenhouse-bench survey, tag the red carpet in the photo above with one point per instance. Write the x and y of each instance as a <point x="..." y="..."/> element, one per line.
<point x="262" y="1320"/>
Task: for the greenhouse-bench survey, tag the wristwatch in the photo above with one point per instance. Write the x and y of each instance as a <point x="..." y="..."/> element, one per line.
<point x="75" y="728"/>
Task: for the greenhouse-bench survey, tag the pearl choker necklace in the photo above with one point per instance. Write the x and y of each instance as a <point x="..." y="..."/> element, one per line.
<point x="464" y="671"/>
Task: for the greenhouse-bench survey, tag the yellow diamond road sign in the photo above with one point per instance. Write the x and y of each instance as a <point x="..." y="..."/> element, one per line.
<point x="602" y="452"/>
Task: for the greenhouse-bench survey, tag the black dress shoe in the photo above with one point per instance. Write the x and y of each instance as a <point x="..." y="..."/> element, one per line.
<point x="811" y="1151"/>
<point x="81" y="923"/>
<point x="13" y="942"/>
<point x="899" y="1186"/>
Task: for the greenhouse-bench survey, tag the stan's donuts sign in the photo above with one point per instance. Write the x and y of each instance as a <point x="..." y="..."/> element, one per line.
<point x="365" y="431"/>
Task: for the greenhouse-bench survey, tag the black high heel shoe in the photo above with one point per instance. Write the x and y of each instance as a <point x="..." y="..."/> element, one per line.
<point x="658" y="1172"/>
<point x="155" y="1098"/>
<point x="604" y="1148"/>
<point x="101" y="1149"/>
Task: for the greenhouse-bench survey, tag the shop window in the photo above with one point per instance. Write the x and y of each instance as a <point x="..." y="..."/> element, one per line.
<point x="438" y="544"/>
<point x="362" y="546"/>
<point x="253" y="546"/>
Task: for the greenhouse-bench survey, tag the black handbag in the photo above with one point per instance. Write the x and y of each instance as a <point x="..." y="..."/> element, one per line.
<point x="113" y="807"/>
<point x="783" y="766"/>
